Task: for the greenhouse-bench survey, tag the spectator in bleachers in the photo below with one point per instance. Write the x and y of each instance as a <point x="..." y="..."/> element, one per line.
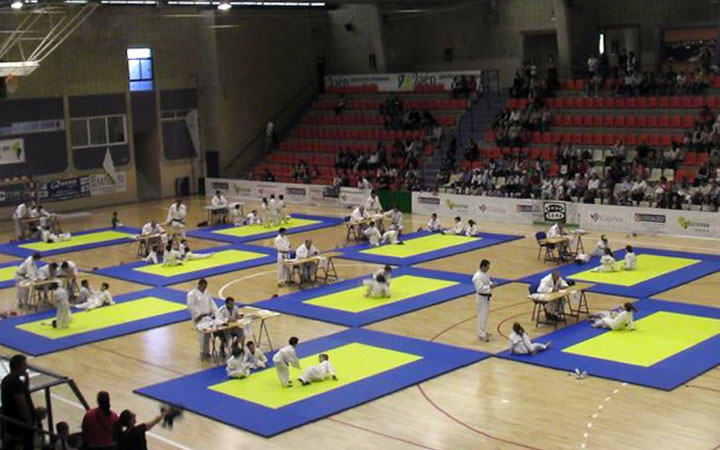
<point x="341" y="105"/>
<point x="681" y="83"/>
<point x="551" y="75"/>
<point x="268" y="176"/>
<point x="471" y="150"/>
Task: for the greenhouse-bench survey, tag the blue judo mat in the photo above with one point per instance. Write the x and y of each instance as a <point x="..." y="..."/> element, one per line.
<point x="15" y="249"/>
<point x="191" y="392"/>
<point x="666" y="374"/>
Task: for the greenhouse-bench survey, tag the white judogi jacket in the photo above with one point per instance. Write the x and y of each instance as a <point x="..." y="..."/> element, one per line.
<point x="201" y="304"/>
<point x="599" y="248"/>
<point x="172" y="258"/>
<point x="71" y="271"/>
<point x="286" y="356"/>
<point x="396" y="219"/>
<point x="520" y="345"/>
<point x="45" y="274"/>
<point x="219" y="200"/>
<point x="622" y="320"/>
<point x="434" y="225"/>
<point x="304" y="252"/>
<point x="282" y="245"/>
<point x="254" y="360"/>
<point x="273" y="206"/>
<point x="21" y="211"/>
<point x="356" y="216"/>
<point x="373" y="236"/>
<point x="483" y="284"/>
<point x="318" y="373"/>
<point x="226" y="316"/>
<point x="235" y="366"/>
<point x="387" y="275"/>
<point x="458" y="228"/>
<point x="547" y="284"/>
<point x="85" y="293"/>
<point x="28" y="269"/>
<point x="236" y="216"/>
<point x="630" y="261"/>
<point x="176" y="213"/>
<point x="554" y="231"/>
<point x="149" y="230"/>
<point x="372" y="204"/>
<point x="253" y="219"/>
<point x="607" y="264"/>
<point x="471" y="230"/>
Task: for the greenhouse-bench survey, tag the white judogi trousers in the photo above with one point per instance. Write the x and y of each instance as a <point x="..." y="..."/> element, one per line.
<point x="483" y="309"/>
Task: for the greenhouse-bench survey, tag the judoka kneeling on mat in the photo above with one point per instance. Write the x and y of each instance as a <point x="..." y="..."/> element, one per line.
<point x="63" y="316"/>
<point x="379" y="285"/>
<point x="607" y="262"/>
<point x="376" y="239"/>
<point x="318" y="373"/>
<point x="615" y="319"/>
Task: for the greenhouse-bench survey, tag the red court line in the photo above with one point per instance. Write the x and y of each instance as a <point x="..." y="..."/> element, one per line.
<point x="502" y="322"/>
<point x="703" y="388"/>
<point x="379" y="433"/>
<point x="469" y="427"/>
<point x="471" y="318"/>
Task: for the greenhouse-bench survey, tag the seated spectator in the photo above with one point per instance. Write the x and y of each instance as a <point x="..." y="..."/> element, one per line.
<point x="340" y="105"/>
<point x="98" y="423"/>
<point x="268" y="176"/>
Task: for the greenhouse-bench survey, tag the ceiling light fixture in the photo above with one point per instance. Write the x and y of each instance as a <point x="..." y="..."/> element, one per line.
<point x="17" y="4"/>
<point x="224" y="5"/>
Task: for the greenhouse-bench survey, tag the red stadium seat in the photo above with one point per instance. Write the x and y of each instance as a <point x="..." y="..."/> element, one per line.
<point x="698" y="101"/>
<point x="665" y="140"/>
<point x="577" y="102"/>
<point x="642" y="121"/>
<point x="631" y="121"/>
<point x="567" y="120"/>
<point x="608" y="121"/>
<point x="674" y="102"/>
<point x="597" y="102"/>
<point x="631" y="102"/>
<point x="675" y="121"/>
<point x="608" y="139"/>
<point x="653" y="140"/>
<point x="652" y="121"/>
<point x="620" y="103"/>
<point x="652" y="102"/>
<point x="577" y="120"/>
<point x="631" y="139"/>
<point x="702" y="158"/>
<point x="619" y="121"/>
<point x="642" y="102"/>
<point x="587" y="103"/>
<point x="608" y="102"/>
<point x="688" y="122"/>
<point x="664" y="102"/>
<point x="690" y="158"/>
<point x="587" y="120"/>
<point x="597" y="121"/>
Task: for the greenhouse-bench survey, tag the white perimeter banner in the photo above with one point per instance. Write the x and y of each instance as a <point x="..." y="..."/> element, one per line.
<point x="398" y="82"/>
<point x="624" y="219"/>
<point x="103" y="184"/>
<point x="478" y="208"/>
<point x="12" y="151"/>
<point x="649" y="220"/>
<point x="310" y="194"/>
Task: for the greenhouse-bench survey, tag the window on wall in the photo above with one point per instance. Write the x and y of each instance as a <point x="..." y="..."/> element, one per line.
<point x="97" y="131"/>
<point x="140" y="69"/>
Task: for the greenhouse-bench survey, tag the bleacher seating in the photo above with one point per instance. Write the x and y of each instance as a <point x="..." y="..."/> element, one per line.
<point x="321" y="133"/>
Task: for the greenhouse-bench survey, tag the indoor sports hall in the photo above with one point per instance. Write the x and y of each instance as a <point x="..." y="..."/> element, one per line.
<point x="359" y="224"/>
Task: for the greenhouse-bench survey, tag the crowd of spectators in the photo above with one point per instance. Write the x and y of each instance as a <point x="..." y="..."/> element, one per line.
<point x="397" y="117"/>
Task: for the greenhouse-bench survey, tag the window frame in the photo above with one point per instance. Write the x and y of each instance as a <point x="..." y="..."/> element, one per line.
<point x="141" y="81"/>
<point x="107" y="131"/>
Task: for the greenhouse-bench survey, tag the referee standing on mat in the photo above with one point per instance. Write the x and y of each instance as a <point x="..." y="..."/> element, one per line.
<point x="483" y="285"/>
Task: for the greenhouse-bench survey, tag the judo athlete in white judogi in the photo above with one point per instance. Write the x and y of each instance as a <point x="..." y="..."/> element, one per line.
<point x="21" y="213"/>
<point x="607" y="262"/>
<point x="203" y="310"/>
<point x="220" y="205"/>
<point x="396" y="219"/>
<point x="47" y="235"/>
<point x="234" y="367"/>
<point x="254" y="358"/>
<point x="309" y="269"/>
<point x="171" y="257"/>
<point x="472" y="229"/>
<point x="63" y="316"/>
<point x="552" y="283"/>
<point x="318" y="373"/>
<point x="85" y="291"/>
<point x="483" y="293"/>
<point x="558" y="230"/>
<point x="616" y="319"/>
<point x="188" y="255"/>
<point x="358" y="215"/>
<point x="282" y="216"/>
<point x="273" y="212"/>
<point x="601" y="245"/>
<point x="253" y="218"/>
<point x="154" y="236"/>
<point x="520" y="343"/>
<point x="26" y="273"/>
<point x="379" y="285"/>
<point x="48" y="272"/>
<point x="458" y="228"/>
<point x="282" y="245"/>
<point x="98" y="299"/>
<point x="229" y="313"/>
<point x="236" y="216"/>
<point x="630" y="260"/>
<point x="372" y="204"/>
<point x="265" y="212"/>
<point x="434" y="225"/>
<point x="152" y="256"/>
<point x="376" y="239"/>
<point x="284" y="358"/>
<point x="177" y="212"/>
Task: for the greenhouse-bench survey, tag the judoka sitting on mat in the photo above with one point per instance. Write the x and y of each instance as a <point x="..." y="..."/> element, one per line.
<point x="97" y="299"/>
<point x="376" y="239"/>
<point x="607" y="262"/>
<point x="319" y="372"/>
<point x="458" y="228"/>
<point x="242" y="363"/>
<point x="379" y="285"/>
<point x="434" y="225"/>
<point x="520" y="343"/>
<point x="630" y="261"/>
<point x="615" y="319"/>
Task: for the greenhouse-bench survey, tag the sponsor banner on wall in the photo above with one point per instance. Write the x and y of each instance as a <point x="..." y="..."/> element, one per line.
<point x="62" y="190"/>
<point x="650" y="220"/>
<point x="293" y="192"/>
<point x="353" y="196"/>
<point x="12" y="151"/>
<point x="13" y="194"/>
<point x="103" y="184"/>
<point x="479" y="208"/>
<point x="393" y="82"/>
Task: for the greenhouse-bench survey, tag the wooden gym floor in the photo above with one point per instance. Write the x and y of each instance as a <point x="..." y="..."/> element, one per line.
<point x="494" y="404"/>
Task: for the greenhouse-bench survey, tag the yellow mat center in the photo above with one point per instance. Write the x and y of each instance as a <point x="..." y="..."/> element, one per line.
<point x="655" y="338"/>
<point x="251" y="230"/>
<point x="218" y="259"/>
<point x="8" y="273"/>
<point x="648" y="267"/>
<point x="82" y="239"/>
<point x="401" y="288"/>
<point x="418" y="246"/>
<point x="106" y="316"/>
<point x="352" y="362"/>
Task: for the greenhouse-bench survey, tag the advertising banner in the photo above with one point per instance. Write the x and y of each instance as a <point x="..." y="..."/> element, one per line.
<point x="13" y="194"/>
<point x="12" y="151"/>
<point x="310" y="194"/>
<point x="479" y="208"/>
<point x="399" y="82"/>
